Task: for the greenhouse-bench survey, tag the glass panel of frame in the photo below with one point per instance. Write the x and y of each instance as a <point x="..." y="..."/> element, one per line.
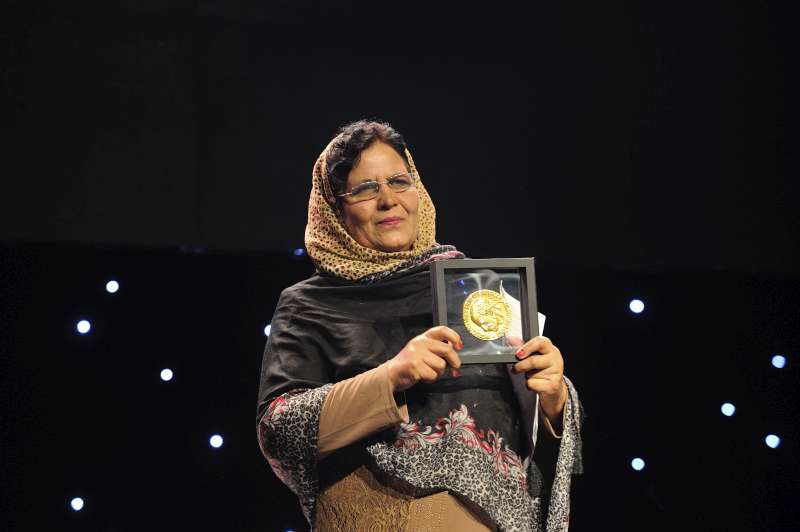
<point x="486" y="301"/>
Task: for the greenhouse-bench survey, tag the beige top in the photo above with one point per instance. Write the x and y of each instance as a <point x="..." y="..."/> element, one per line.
<point x="354" y="409"/>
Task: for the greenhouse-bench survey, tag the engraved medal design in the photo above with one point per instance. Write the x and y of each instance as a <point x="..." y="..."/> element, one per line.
<point x="487" y="315"/>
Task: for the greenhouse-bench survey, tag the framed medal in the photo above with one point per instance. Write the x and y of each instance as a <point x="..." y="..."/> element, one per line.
<point x="486" y="301"/>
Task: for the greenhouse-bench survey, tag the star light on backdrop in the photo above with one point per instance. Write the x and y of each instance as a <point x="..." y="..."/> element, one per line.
<point x="83" y="327"/>
<point x="636" y="306"/>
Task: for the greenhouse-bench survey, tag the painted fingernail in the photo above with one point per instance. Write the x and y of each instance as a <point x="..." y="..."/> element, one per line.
<point x="519" y="353"/>
<point x="461" y="345"/>
<point x="454" y="372"/>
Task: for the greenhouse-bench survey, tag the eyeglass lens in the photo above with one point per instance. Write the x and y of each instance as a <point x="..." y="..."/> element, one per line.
<point x="370" y="189"/>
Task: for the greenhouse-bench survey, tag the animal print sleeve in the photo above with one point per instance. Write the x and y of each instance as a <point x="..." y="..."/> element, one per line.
<point x="287" y="435"/>
<point x="569" y="462"/>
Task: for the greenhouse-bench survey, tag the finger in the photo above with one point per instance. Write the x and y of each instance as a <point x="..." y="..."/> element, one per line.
<point x="433" y="361"/>
<point x="544" y="385"/>
<point x="539" y="385"/>
<point x="445" y="351"/>
<point x="428" y="374"/>
<point x="445" y="334"/>
<point x="538" y="344"/>
<point x="535" y="362"/>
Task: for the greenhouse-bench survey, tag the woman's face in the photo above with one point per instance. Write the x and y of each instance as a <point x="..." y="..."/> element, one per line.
<point x="387" y="222"/>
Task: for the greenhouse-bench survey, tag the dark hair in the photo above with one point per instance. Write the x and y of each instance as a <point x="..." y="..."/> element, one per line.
<point x="354" y="138"/>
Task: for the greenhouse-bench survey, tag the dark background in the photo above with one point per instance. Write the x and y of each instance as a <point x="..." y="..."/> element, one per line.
<point x="635" y="150"/>
<point x="616" y="134"/>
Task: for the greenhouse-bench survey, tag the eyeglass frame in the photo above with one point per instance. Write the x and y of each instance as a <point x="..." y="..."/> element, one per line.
<point x="410" y="174"/>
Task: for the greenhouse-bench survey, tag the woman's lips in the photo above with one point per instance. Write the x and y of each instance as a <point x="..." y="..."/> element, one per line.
<point x="392" y="220"/>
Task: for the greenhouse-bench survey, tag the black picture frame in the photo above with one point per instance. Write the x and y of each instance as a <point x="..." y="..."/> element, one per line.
<point x="486" y="271"/>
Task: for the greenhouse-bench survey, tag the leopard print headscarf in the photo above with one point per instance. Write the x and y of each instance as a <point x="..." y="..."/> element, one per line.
<point x="335" y="252"/>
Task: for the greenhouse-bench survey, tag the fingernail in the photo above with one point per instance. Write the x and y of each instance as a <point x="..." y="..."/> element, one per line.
<point x="519" y="353"/>
<point x="460" y="345"/>
<point x="454" y="372"/>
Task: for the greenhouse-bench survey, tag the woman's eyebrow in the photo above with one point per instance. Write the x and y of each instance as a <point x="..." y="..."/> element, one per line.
<point x="365" y="179"/>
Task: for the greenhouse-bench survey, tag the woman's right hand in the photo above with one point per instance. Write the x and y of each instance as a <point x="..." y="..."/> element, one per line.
<point x="425" y="358"/>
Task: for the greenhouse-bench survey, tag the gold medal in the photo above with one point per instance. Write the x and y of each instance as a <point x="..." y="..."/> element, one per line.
<point x="487" y="315"/>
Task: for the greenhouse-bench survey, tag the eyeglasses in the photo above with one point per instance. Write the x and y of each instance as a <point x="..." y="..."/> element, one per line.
<point x="370" y="189"/>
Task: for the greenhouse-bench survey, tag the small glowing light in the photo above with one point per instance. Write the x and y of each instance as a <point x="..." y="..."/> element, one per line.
<point x="728" y="409"/>
<point x="215" y="441"/>
<point x="84" y="326"/>
<point x="299" y="252"/>
<point x="76" y="504"/>
<point x="779" y="361"/>
<point x="267" y="329"/>
<point x="636" y="306"/>
<point x="166" y="374"/>
<point x="112" y="287"/>
<point x="637" y="464"/>
<point x="772" y="441"/>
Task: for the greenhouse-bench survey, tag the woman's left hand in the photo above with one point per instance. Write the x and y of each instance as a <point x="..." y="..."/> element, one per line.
<point x="544" y="373"/>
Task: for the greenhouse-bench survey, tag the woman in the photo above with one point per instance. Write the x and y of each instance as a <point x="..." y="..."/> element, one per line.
<point x="364" y="409"/>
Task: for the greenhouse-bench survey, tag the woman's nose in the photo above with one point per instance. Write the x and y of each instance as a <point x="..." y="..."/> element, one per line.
<point x="387" y="198"/>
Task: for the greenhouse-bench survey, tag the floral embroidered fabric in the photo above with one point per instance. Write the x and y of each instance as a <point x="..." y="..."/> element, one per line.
<point x="460" y="426"/>
<point x="475" y="464"/>
<point x="453" y="455"/>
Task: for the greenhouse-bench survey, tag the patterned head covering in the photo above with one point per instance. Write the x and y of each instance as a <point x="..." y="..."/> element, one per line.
<point x="335" y="252"/>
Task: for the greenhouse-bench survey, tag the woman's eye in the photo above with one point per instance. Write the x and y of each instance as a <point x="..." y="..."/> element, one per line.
<point x="365" y="188"/>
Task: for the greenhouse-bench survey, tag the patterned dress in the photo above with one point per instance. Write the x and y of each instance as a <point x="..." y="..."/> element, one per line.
<point x="471" y="436"/>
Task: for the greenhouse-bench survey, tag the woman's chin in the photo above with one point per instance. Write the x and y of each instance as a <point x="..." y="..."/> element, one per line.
<point x="394" y="246"/>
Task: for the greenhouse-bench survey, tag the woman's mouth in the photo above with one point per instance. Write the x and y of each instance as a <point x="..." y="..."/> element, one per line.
<point x="391" y="220"/>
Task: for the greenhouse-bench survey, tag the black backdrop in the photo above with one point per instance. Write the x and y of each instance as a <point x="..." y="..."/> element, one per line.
<point x="90" y="417"/>
<point x="614" y="133"/>
<point x="635" y="150"/>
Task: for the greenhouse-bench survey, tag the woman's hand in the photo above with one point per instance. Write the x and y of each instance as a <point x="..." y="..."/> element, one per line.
<point x="544" y="374"/>
<point x="425" y="358"/>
